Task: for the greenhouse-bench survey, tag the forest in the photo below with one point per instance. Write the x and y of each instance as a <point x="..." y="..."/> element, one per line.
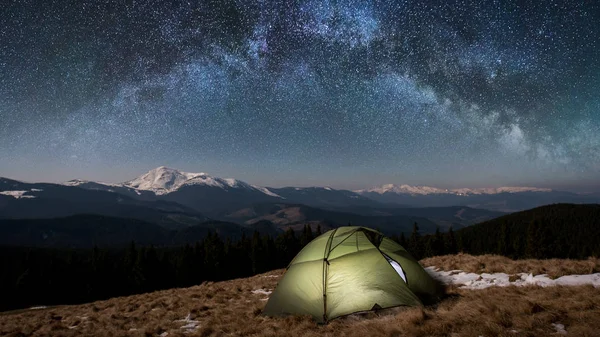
<point x="50" y="276"/>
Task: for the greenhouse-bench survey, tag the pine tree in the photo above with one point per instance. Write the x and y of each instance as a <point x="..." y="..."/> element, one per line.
<point x="98" y="272"/>
<point x="287" y="247"/>
<point x="307" y="236"/>
<point x="318" y="230"/>
<point x="437" y="243"/>
<point x="428" y="243"/>
<point x="402" y="241"/>
<point x="132" y="269"/>
<point x="415" y="244"/>
<point x="214" y="253"/>
<point x="257" y="254"/>
<point x="270" y="251"/>
<point x="185" y="266"/>
<point x="450" y="245"/>
<point x="533" y="249"/>
<point x="503" y="240"/>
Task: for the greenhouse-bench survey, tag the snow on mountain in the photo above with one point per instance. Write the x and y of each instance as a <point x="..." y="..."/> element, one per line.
<point x="267" y="191"/>
<point x="163" y="180"/>
<point x="79" y="182"/>
<point x="17" y="194"/>
<point x="74" y="182"/>
<point x="404" y="189"/>
<point x="426" y="190"/>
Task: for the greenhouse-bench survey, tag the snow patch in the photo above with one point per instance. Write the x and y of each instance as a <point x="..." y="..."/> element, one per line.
<point x="17" y="194"/>
<point x="265" y="292"/>
<point x="78" y="182"/>
<point x="267" y="191"/>
<point x="190" y="325"/>
<point x="36" y="190"/>
<point x="38" y="307"/>
<point x="485" y="280"/>
<point x="560" y="328"/>
<point x="262" y="292"/>
<point x="74" y="182"/>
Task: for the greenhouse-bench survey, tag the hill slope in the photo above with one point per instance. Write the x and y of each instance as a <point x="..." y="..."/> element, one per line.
<point x="234" y="308"/>
<point x="445" y="217"/>
<point x="85" y="231"/>
<point x="560" y="230"/>
<point x="295" y="216"/>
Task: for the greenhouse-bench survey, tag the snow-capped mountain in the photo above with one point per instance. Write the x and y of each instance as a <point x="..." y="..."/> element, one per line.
<point x="213" y="195"/>
<point x="20" y="200"/>
<point x="504" y="199"/>
<point x="163" y="180"/>
<point x="426" y="190"/>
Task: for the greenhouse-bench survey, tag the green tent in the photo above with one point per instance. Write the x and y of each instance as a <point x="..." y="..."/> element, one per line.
<point x="348" y="270"/>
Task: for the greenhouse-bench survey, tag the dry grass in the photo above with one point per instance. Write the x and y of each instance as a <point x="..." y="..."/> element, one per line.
<point x="496" y="263"/>
<point x="231" y="309"/>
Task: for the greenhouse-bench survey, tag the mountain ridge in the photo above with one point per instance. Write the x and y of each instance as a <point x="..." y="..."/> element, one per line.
<point x="425" y="190"/>
<point x="214" y="196"/>
<point x="163" y="180"/>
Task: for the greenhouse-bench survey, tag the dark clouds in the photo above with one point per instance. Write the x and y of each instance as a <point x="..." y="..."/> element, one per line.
<point x="431" y="92"/>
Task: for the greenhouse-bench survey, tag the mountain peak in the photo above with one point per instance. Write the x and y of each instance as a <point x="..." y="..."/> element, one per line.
<point x="163" y="180"/>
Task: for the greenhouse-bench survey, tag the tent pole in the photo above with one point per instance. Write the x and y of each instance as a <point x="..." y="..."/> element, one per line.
<point x="325" y="270"/>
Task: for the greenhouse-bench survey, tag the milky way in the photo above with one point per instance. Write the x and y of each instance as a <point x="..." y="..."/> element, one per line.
<point x="342" y="93"/>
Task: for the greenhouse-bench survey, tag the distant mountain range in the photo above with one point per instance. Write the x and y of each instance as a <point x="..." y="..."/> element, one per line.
<point x="213" y="195"/>
<point x="427" y="190"/>
<point x="175" y="199"/>
<point x="504" y="199"/>
<point x="20" y="200"/>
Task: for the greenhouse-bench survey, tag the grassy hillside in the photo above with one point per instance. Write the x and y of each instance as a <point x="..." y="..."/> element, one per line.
<point x="233" y="308"/>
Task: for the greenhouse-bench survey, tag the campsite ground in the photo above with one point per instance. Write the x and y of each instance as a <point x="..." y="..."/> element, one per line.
<point x="232" y="308"/>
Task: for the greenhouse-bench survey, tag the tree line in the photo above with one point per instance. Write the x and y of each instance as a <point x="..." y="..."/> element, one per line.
<point x="554" y="231"/>
<point x="49" y="276"/>
<point x="567" y="231"/>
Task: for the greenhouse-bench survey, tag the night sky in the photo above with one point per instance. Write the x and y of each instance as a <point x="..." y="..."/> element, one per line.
<point x="348" y="93"/>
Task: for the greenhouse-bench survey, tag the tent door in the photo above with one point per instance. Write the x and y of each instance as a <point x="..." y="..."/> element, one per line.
<point x="396" y="267"/>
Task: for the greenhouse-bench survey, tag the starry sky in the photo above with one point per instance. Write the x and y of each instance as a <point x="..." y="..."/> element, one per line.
<point x="346" y="93"/>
